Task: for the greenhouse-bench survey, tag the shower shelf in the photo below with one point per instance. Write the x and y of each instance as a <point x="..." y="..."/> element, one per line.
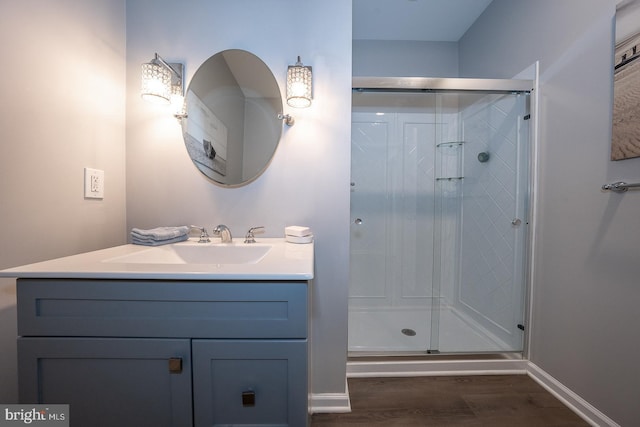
<point x="450" y="178"/>
<point x="449" y="144"/>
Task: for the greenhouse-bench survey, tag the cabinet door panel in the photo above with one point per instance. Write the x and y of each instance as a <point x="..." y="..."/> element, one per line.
<point x="272" y="374"/>
<point x="109" y="382"/>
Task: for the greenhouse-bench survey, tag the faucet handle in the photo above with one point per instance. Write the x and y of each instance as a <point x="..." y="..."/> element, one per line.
<point x="249" y="237"/>
<point x="204" y="236"/>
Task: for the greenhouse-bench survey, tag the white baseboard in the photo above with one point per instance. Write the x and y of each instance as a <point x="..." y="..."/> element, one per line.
<point x="332" y="403"/>
<point x="584" y="409"/>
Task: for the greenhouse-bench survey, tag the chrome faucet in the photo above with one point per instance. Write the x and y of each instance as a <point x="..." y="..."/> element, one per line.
<point x="224" y="233"/>
<point x="249" y="237"/>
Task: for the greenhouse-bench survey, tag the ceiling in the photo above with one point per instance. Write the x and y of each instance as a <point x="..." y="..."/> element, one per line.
<point x="425" y="20"/>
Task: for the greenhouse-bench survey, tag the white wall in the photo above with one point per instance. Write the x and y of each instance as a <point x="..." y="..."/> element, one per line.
<point x="586" y="289"/>
<point x="62" y="110"/>
<point x="308" y="181"/>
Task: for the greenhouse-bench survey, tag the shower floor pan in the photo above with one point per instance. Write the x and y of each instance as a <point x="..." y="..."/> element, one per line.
<point x="408" y="331"/>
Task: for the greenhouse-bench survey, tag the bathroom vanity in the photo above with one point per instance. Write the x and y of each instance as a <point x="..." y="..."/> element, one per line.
<point x="130" y="336"/>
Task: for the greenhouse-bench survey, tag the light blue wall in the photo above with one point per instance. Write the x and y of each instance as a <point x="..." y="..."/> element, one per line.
<point x="308" y="181"/>
<point x="405" y="58"/>
<point x="586" y="289"/>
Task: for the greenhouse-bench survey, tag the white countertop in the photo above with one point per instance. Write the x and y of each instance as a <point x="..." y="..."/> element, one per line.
<point x="284" y="261"/>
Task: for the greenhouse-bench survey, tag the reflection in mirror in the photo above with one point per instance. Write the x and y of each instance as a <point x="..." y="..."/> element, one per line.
<point x="232" y="128"/>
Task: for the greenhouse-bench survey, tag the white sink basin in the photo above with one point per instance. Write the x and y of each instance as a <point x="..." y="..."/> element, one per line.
<point x="196" y="253"/>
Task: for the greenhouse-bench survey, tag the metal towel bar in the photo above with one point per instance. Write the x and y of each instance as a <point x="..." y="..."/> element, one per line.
<point x="620" y="186"/>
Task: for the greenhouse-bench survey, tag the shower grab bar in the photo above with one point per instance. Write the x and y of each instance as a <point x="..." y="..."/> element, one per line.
<point x="620" y="186"/>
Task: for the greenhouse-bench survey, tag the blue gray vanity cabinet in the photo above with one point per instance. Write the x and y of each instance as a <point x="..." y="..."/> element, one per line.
<point x="107" y="381"/>
<point x="166" y="353"/>
<point x="268" y="373"/>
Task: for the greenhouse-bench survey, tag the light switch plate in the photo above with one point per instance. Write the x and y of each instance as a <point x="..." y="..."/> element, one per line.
<point x="93" y="183"/>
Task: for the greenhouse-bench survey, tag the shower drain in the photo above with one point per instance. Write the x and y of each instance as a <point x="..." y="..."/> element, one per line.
<point x="408" y="332"/>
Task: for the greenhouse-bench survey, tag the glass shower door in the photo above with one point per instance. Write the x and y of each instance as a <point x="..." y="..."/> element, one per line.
<point x="392" y="228"/>
<point x="438" y="222"/>
<point x="481" y="304"/>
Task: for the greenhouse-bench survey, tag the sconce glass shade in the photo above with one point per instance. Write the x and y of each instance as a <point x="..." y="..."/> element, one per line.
<point x="156" y="83"/>
<point x="177" y="101"/>
<point x="299" y="85"/>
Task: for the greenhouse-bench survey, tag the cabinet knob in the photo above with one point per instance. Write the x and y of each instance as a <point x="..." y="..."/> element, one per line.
<point x="175" y="365"/>
<point x="249" y="398"/>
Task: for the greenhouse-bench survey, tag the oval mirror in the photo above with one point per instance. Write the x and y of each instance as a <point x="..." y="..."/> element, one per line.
<point x="232" y="128"/>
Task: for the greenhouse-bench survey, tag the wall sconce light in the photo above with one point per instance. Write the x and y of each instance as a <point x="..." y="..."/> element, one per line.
<point x="163" y="83"/>
<point x="299" y="85"/>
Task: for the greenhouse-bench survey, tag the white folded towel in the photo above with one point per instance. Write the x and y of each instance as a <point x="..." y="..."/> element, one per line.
<point x="159" y="235"/>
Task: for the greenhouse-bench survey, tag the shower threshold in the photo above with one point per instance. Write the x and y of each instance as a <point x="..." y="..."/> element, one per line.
<point x="364" y="356"/>
<point x="361" y="366"/>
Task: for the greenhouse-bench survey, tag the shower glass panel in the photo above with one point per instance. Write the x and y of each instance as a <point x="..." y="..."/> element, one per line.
<point x="438" y="208"/>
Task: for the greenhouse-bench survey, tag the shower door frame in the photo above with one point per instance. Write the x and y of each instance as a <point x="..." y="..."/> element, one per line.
<point x="495" y="86"/>
<point x="437" y="84"/>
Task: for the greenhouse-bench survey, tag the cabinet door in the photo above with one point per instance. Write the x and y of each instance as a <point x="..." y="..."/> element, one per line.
<point x="109" y="382"/>
<point x="250" y="383"/>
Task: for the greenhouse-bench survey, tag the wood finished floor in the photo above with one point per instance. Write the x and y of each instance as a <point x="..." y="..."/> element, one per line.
<point x="492" y="400"/>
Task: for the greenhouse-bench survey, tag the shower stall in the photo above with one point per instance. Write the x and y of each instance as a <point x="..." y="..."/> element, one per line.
<point x="439" y="216"/>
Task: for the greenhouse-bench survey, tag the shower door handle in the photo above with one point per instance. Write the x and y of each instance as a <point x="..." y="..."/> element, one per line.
<point x="516" y="222"/>
<point x="358" y="221"/>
